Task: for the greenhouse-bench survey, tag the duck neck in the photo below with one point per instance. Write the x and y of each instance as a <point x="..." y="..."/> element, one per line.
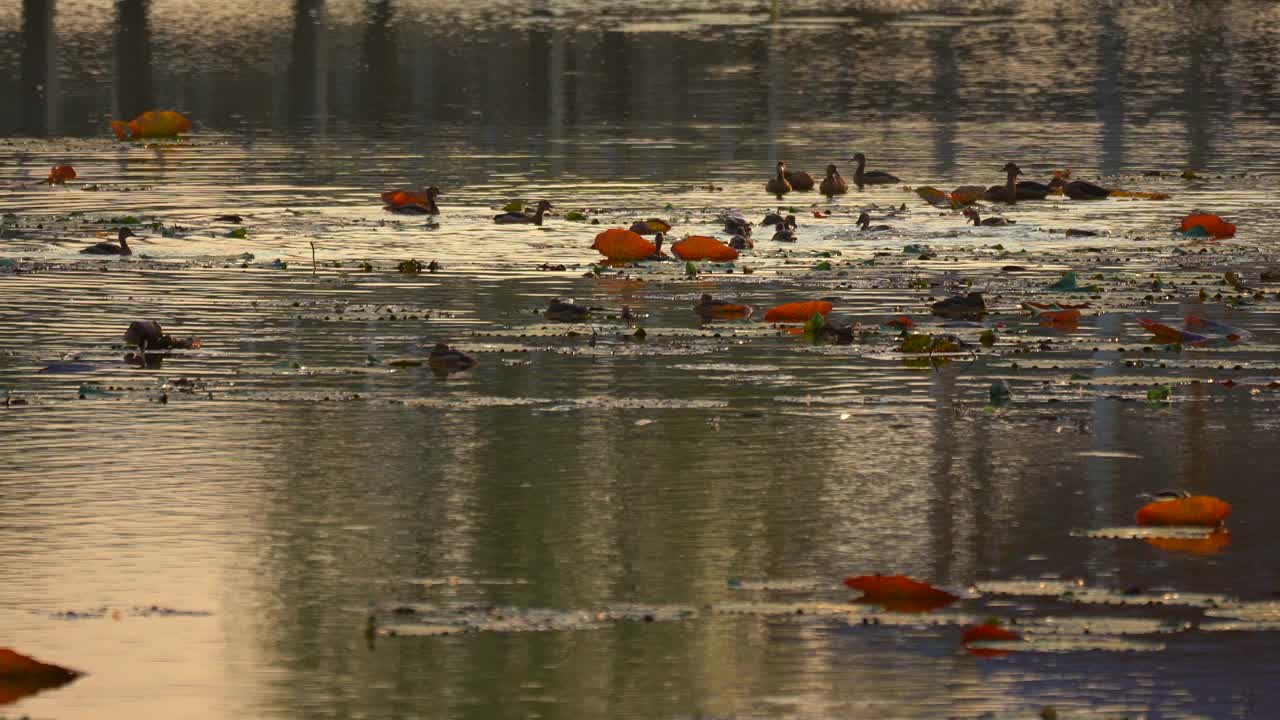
<point x="1011" y="186"/>
<point x="537" y="216"/>
<point x="977" y="220"/>
<point x="781" y="174"/>
<point x="124" y="247"/>
<point x="431" y="205"/>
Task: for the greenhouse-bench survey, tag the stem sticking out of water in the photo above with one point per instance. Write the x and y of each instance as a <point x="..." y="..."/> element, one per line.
<point x="313" y="258"/>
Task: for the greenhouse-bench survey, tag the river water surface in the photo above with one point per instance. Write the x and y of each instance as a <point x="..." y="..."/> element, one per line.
<point x="300" y="520"/>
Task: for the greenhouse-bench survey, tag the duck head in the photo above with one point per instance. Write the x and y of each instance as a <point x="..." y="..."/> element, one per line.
<point x="864" y="220"/>
<point x="782" y="167"/>
<point x="789" y="222"/>
<point x="860" y="159"/>
<point x="125" y="233"/>
<point x="831" y="171"/>
<point x="972" y="215"/>
<point x="1012" y="169"/>
<point x="657" y="242"/>
<point x="544" y="205"/>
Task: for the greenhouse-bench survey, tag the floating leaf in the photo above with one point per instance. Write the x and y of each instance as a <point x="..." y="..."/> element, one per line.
<point x="152" y="124"/>
<point x="797" y="312"/>
<point x="701" y="247"/>
<point x="575" y="216"/>
<point x="239" y="233"/>
<point x="623" y="245"/>
<point x="1200" y="510"/>
<point x="60" y="174"/>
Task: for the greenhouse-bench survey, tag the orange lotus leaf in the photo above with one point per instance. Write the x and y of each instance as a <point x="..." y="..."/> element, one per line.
<point x="1201" y="510"/>
<point x="1060" y="317"/>
<point x="1212" y="224"/>
<point x="623" y="245"/>
<point x="398" y="199"/>
<point x="989" y="632"/>
<point x="59" y="174"/>
<point x="897" y="588"/>
<point x="152" y="124"/>
<point x="21" y="675"/>
<point x="701" y="247"/>
<point x="732" y="311"/>
<point x="934" y="196"/>
<point x="797" y="312"/>
<point x="1213" y="543"/>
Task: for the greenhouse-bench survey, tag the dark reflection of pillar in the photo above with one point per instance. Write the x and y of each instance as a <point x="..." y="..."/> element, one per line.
<point x="616" y="59"/>
<point x="1207" y="48"/>
<point x="381" y="71"/>
<point x="1109" y="89"/>
<point x="35" y="96"/>
<point x="946" y="98"/>
<point x="306" y="71"/>
<point x="133" y="58"/>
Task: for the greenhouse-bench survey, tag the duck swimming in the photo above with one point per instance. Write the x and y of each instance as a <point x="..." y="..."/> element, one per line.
<point x="709" y="307"/>
<point x="657" y="252"/>
<point x="741" y="242"/>
<point x="736" y="225"/>
<point x="779" y="185"/>
<point x="107" y="248"/>
<point x="875" y="177"/>
<point x="989" y="222"/>
<point x="562" y="311"/>
<point x="147" y="335"/>
<point x="969" y="307"/>
<point x="516" y="218"/>
<point x="799" y="179"/>
<point x="1007" y="192"/>
<point x="1081" y="190"/>
<point x="833" y="184"/>
<point x="786" y="231"/>
<point x="864" y="224"/>
<point x="772" y="218"/>
<point x="443" y="357"/>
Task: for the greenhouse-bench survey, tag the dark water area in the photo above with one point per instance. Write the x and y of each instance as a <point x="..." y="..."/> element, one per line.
<point x="299" y="519"/>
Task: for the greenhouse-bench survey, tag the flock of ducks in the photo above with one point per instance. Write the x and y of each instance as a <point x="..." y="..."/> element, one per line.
<point x="148" y="336"/>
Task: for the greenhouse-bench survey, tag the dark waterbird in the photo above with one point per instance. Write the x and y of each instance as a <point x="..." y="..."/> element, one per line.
<point x="657" y="254"/>
<point x="799" y="179"/>
<point x="149" y="335"/>
<point x="864" y="224"/>
<point x="737" y="225"/>
<point x="445" y="358"/>
<point x="968" y="307"/>
<point x="516" y="218"/>
<point x="787" y="231"/>
<point x="989" y="222"/>
<point x="1081" y="190"/>
<point x="834" y="184"/>
<point x="1013" y="191"/>
<point x="565" y="311"/>
<point x="108" y="248"/>
<point x="779" y="185"/>
<point x="862" y="176"/>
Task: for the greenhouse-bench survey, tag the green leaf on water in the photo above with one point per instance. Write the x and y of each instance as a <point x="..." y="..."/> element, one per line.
<point x="987" y="338"/>
<point x="513" y="206"/>
<point x="239" y="233"/>
<point x="575" y="216"/>
<point x="690" y="270"/>
<point x="824" y="265"/>
<point x="1159" y="394"/>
